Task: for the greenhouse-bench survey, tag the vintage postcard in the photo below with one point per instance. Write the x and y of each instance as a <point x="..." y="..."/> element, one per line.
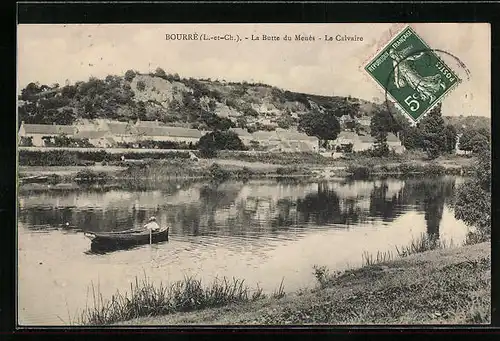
<point x="253" y="174"/>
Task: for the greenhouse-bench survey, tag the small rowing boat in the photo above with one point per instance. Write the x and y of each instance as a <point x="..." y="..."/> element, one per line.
<point x="125" y="239"/>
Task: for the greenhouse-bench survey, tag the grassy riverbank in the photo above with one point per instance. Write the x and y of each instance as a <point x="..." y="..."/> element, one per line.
<point x="444" y="286"/>
<point x="231" y="165"/>
<point x="425" y="282"/>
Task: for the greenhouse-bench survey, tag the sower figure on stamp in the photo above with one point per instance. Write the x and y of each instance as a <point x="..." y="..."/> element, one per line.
<point x="405" y="75"/>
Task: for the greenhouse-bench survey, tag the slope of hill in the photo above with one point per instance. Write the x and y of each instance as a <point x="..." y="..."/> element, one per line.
<point x="193" y="103"/>
<point x="462" y="123"/>
<point x="183" y="102"/>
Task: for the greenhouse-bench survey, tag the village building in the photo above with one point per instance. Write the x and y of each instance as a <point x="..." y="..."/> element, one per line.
<point x="98" y="138"/>
<point x="295" y="141"/>
<point x="244" y="136"/>
<point x="364" y="121"/>
<point x="172" y="134"/>
<point x="394" y="143"/>
<point x="37" y="132"/>
<point x="154" y="123"/>
<point x="97" y="132"/>
<point x="348" y="139"/>
<point x="123" y="132"/>
<point x="344" y="119"/>
<point x="268" y="139"/>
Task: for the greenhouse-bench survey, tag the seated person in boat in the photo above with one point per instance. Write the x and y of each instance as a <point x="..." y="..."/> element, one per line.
<point x="152" y="225"/>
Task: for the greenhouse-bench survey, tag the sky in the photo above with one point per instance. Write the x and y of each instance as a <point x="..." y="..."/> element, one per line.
<point x="59" y="53"/>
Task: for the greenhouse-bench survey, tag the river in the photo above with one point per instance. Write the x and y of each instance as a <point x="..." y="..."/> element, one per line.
<point x="263" y="231"/>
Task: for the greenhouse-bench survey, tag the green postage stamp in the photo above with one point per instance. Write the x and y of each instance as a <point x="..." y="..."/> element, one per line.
<point x="412" y="74"/>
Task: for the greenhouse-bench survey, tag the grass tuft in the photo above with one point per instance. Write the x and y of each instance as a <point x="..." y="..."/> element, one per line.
<point x="146" y="299"/>
<point x="381" y="257"/>
<point x="422" y="244"/>
<point x="280" y="292"/>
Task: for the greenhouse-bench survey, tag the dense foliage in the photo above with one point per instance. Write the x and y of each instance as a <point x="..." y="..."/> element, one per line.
<point x="74" y="158"/>
<point x="323" y="125"/>
<point x="473" y="199"/>
<point x="381" y="124"/>
<point x="432" y="135"/>
<point x="212" y="142"/>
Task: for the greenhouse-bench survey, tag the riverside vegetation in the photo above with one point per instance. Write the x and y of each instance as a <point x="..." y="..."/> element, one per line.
<point x="426" y="281"/>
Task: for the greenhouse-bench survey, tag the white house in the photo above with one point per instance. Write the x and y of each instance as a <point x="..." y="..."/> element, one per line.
<point x="295" y="141"/>
<point x="38" y="131"/>
<point x="124" y="132"/>
<point x="268" y="139"/>
<point x="365" y="142"/>
<point x="172" y="134"/>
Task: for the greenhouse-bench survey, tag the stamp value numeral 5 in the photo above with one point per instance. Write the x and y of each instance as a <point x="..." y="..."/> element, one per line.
<point x="412" y="102"/>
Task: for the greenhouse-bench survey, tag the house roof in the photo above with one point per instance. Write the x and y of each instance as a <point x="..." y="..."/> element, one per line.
<point x="169" y="131"/>
<point x="265" y="135"/>
<point x="294" y="135"/>
<point x="348" y="135"/>
<point x="366" y="139"/>
<point x="90" y="134"/>
<point x="121" y="128"/>
<point x="148" y="123"/>
<point x="345" y="117"/>
<point x="392" y="138"/>
<point x="304" y="147"/>
<point x="241" y="132"/>
<point x="49" y="129"/>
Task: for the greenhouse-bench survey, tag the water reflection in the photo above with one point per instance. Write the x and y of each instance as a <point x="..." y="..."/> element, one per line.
<point x="236" y="208"/>
<point x="260" y="231"/>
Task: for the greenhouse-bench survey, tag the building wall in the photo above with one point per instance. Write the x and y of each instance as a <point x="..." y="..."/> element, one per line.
<point x="171" y="139"/>
<point x="397" y="147"/>
<point x="37" y="140"/>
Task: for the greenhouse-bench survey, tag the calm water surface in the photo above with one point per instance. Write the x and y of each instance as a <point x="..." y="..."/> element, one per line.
<point x="261" y="231"/>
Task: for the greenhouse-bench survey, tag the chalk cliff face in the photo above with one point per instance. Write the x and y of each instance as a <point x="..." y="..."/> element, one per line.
<point x="192" y="103"/>
<point x="175" y="101"/>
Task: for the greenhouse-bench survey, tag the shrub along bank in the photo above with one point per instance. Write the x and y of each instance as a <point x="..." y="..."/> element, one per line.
<point x="76" y="158"/>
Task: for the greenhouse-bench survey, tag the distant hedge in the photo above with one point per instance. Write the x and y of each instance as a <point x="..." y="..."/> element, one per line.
<point x="75" y="158"/>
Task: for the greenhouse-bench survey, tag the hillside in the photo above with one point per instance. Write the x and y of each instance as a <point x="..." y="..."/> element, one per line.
<point x="176" y="101"/>
<point x="186" y="102"/>
<point x="461" y="123"/>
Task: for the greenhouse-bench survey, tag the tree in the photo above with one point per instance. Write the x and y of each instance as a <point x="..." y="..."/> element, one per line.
<point x="450" y="138"/>
<point x="325" y="126"/>
<point x="380" y="124"/>
<point x="285" y="121"/>
<point x="473" y="199"/>
<point x="141" y="86"/>
<point x="31" y="90"/>
<point x="479" y="143"/>
<point x="210" y="143"/>
<point x="465" y="140"/>
<point x="65" y="116"/>
<point x="141" y="112"/>
<point x="129" y="75"/>
<point x="160" y="72"/>
<point x="381" y="149"/>
<point x="473" y="140"/>
<point x="432" y="129"/>
<point x="411" y="138"/>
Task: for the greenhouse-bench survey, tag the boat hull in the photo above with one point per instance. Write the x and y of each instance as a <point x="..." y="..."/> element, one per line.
<point x="123" y="240"/>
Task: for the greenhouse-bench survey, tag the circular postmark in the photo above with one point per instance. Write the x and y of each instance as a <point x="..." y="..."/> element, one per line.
<point x="425" y="59"/>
